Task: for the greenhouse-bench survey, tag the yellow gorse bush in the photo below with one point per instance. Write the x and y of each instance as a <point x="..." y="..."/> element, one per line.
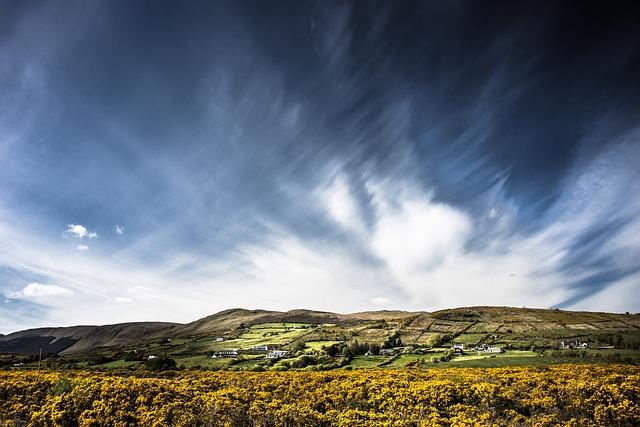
<point x="573" y="395"/>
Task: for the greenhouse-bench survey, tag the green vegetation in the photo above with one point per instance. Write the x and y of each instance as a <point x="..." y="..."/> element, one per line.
<point x="379" y="339"/>
<point x="319" y="345"/>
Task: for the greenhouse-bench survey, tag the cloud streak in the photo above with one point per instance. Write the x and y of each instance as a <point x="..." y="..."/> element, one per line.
<point x="413" y="155"/>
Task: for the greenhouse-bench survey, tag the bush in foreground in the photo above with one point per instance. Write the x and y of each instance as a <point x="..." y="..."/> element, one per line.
<point x="543" y="396"/>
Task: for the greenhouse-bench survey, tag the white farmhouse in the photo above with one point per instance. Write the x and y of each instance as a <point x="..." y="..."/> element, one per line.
<point x="276" y="354"/>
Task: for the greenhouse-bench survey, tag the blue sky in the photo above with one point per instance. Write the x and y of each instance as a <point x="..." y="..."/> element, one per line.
<point x="163" y="161"/>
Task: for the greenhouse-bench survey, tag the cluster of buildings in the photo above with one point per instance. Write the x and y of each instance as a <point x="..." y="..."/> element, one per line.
<point x="259" y="349"/>
<point x="480" y="348"/>
<point x="573" y="344"/>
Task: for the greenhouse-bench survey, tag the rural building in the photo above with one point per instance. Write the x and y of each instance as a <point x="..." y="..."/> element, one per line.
<point x="458" y="348"/>
<point x="151" y="357"/>
<point x="573" y="344"/>
<point x="486" y="348"/>
<point x="386" y="351"/>
<point x="225" y="354"/>
<point x="276" y="354"/>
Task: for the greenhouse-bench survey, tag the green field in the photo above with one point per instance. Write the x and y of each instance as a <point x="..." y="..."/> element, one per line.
<point x="360" y="362"/>
<point x="421" y="338"/>
<point x="317" y="345"/>
<point x="469" y="339"/>
<point x="203" y="361"/>
<point x="119" y="364"/>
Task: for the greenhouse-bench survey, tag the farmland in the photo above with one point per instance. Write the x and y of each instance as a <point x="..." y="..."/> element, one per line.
<point x="325" y="341"/>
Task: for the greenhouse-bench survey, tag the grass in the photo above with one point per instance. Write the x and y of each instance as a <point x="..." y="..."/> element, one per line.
<point x="360" y="362"/>
<point x="317" y="345"/>
<point x="469" y="339"/>
<point x="404" y="359"/>
<point x="203" y="361"/>
<point x="479" y="356"/>
<point x="500" y="362"/>
<point x="116" y="364"/>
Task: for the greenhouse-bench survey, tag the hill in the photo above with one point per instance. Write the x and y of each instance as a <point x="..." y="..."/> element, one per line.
<point x="238" y="327"/>
<point x="82" y="338"/>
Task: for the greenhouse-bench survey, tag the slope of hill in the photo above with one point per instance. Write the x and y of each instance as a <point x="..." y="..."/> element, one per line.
<point x="75" y="339"/>
<point x="468" y="324"/>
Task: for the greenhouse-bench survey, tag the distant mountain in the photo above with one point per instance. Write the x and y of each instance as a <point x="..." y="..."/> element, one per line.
<point x="412" y="325"/>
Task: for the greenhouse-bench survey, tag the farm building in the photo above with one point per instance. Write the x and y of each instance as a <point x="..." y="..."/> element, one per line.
<point x="572" y="344"/>
<point x="276" y="354"/>
<point x="225" y="353"/>
<point x="486" y="348"/>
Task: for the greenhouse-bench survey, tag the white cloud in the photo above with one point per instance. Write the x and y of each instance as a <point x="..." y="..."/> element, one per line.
<point x="380" y="301"/>
<point x="423" y="245"/>
<point x="119" y="300"/>
<point x="341" y="206"/>
<point x="415" y="252"/>
<point x="414" y="234"/>
<point x="80" y="232"/>
<point x="38" y="290"/>
<point x="119" y="229"/>
<point x="82" y="248"/>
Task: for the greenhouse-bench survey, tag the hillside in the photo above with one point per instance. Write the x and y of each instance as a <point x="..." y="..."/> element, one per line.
<point x="81" y="338"/>
<point x="468" y="324"/>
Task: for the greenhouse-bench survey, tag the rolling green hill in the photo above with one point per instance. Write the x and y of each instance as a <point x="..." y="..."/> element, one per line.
<point x="514" y="328"/>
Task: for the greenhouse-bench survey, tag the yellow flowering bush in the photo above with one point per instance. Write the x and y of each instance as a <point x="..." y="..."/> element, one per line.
<point x="571" y="395"/>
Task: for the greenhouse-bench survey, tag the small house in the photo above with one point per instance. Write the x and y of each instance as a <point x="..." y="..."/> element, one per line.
<point x="225" y="354"/>
<point x="276" y="354"/>
<point x="573" y="344"/>
<point x="485" y="348"/>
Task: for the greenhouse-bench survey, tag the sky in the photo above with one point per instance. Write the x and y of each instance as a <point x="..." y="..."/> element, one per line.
<point x="168" y="160"/>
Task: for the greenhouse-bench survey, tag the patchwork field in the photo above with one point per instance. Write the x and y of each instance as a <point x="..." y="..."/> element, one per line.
<point x="324" y="341"/>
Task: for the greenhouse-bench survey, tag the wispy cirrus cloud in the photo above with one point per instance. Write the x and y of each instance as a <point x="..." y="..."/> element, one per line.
<point x="368" y="163"/>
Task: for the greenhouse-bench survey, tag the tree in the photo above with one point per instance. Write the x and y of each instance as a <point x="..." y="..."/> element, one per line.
<point x="162" y="363"/>
<point x="392" y="341"/>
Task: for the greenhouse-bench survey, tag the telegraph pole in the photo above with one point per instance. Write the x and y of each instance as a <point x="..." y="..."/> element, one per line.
<point x="40" y="359"/>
